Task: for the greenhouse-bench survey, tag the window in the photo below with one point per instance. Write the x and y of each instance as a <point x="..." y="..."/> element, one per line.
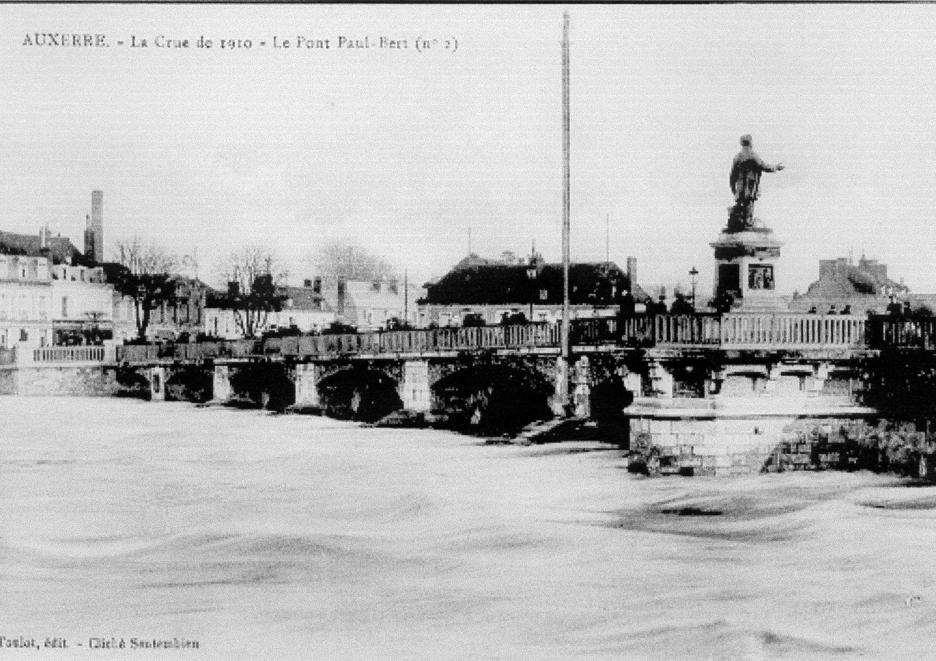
<point x="65" y="307"/>
<point x="24" y="335"/>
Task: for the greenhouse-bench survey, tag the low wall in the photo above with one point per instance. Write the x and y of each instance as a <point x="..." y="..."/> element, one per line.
<point x="72" y="379"/>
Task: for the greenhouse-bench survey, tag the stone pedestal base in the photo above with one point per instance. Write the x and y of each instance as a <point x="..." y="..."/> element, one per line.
<point x="702" y="438"/>
<point x="745" y="269"/>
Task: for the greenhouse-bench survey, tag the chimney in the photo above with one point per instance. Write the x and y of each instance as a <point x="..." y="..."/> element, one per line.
<point x="44" y="238"/>
<point x="631" y="273"/>
<point x="95" y="228"/>
<point x="342" y="286"/>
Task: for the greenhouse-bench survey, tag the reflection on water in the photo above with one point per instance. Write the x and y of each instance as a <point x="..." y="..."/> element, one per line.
<point x="293" y="537"/>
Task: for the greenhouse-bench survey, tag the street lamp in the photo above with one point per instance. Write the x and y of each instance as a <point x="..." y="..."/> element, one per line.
<point x="693" y="280"/>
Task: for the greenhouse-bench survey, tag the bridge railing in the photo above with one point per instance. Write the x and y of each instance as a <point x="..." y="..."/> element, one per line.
<point x="415" y="341"/>
<point x="728" y="331"/>
<point x="593" y="332"/>
<point x="794" y="331"/>
<point x="902" y="333"/>
<point x="194" y="351"/>
<point x="68" y="354"/>
<point x="746" y="331"/>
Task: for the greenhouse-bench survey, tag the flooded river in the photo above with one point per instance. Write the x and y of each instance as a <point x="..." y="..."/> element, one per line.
<point x="293" y="537"/>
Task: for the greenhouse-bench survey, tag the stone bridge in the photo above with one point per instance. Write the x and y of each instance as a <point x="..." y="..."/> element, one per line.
<point x="614" y="363"/>
<point x="707" y="389"/>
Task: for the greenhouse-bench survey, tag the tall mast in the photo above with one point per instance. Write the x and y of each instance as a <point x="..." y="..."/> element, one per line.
<point x="608" y="238"/>
<point x="564" y="336"/>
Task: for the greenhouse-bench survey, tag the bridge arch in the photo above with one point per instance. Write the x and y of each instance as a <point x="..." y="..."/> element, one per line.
<point x="263" y="384"/>
<point x="494" y="397"/>
<point x="359" y="392"/>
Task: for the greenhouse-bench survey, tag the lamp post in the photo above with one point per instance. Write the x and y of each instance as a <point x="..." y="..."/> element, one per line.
<point x="693" y="280"/>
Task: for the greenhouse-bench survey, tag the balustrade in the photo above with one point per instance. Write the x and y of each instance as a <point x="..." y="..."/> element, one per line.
<point x="904" y="333"/>
<point x="68" y="354"/>
<point x="727" y="331"/>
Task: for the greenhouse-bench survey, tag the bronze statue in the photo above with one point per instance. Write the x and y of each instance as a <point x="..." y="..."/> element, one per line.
<point x="745" y="185"/>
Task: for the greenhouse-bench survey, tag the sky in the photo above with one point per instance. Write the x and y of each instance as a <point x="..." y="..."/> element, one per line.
<point x="401" y="151"/>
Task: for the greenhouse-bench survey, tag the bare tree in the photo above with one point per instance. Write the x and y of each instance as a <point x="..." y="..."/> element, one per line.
<point x="350" y="262"/>
<point x="145" y="272"/>
<point x="253" y="276"/>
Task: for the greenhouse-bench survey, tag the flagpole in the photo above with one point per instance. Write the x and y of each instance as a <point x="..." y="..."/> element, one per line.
<point x="564" y="334"/>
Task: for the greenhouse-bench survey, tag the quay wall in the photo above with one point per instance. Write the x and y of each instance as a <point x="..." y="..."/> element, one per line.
<point x="89" y="380"/>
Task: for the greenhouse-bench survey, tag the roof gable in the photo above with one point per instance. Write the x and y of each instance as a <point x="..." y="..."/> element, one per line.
<point x="60" y="248"/>
<point x="474" y="283"/>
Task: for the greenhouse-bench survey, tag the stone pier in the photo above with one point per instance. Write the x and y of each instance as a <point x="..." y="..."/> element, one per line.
<point x="414" y="389"/>
<point x="307" y="394"/>
<point x="157" y="381"/>
<point x="751" y="414"/>
<point x="221" y="384"/>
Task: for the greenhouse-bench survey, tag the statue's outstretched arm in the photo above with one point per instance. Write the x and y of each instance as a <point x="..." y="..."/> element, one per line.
<point x="766" y="167"/>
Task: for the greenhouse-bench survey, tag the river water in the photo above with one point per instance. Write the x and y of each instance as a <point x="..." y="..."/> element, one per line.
<point x="294" y="537"/>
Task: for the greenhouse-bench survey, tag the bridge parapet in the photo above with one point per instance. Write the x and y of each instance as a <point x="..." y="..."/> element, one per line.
<point x="84" y="354"/>
<point x="739" y="331"/>
<point x="796" y="332"/>
<point x="540" y="335"/>
<point x="902" y="333"/>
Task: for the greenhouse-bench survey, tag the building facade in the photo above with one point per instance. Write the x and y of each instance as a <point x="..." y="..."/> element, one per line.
<point x="303" y="310"/>
<point x="25" y="301"/>
<point x="82" y="304"/>
<point x="184" y="316"/>
<point x="487" y="290"/>
<point x="860" y="287"/>
<point x="370" y="304"/>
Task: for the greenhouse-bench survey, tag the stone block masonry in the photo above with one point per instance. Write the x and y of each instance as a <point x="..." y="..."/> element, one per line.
<point x="724" y="446"/>
<point x="80" y="380"/>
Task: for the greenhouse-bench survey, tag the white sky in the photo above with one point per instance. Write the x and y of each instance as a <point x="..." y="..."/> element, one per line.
<point x="401" y="152"/>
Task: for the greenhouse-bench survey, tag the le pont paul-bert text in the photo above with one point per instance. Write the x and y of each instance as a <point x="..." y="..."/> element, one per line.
<point x="202" y="42"/>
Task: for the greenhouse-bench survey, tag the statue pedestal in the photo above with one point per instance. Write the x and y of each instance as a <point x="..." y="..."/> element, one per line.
<point x="745" y="268"/>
